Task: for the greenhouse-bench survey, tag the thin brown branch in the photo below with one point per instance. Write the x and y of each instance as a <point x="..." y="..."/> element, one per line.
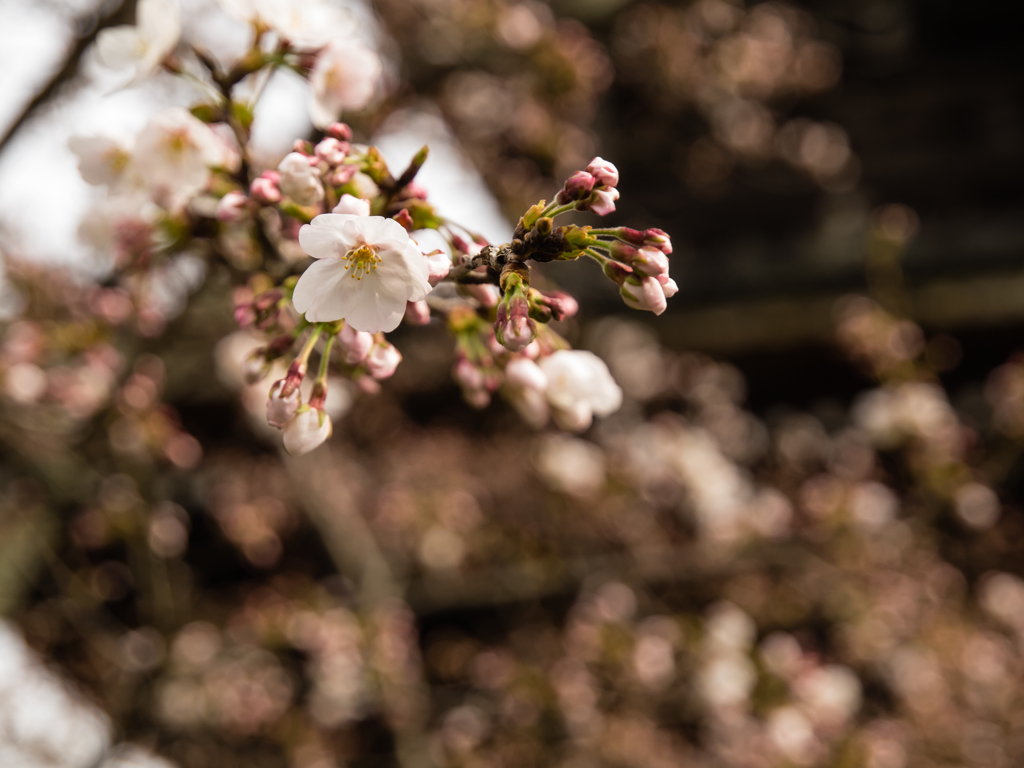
<point x="121" y="14"/>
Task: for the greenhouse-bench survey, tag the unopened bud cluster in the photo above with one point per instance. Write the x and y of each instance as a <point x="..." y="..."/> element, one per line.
<point x="500" y="321"/>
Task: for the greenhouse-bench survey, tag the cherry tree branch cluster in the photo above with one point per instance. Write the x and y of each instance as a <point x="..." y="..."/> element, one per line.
<point x="188" y="182"/>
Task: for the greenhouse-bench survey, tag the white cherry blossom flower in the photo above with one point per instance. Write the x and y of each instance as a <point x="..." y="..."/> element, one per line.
<point x="299" y="180"/>
<point x="102" y="160"/>
<point x="367" y="270"/>
<point x="142" y="47"/>
<point x="354" y="206"/>
<point x="303" y="23"/>
<point x="306" y="431"/>
<point x="579" y="388"/>
<point x="345" y="77"/>
<point x="110" y="221"/>
<point x="173" y="156"/>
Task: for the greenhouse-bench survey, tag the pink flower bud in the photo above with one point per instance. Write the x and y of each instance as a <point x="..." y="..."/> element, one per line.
<point x="644" y="293"/>
<point x="485" y="294"/>
<point x="617" y="273"/>
<point x="468" y="375"/>
<point x="355" y="345"/>
<point x="405" y="219"/>
<point x="281" y="409"/>
<point x="523" y="372"/>
<point x="368" y="384"/>
<point x="318" y="395"/>
<point x="353" y="206"/>
<point x="307" y="431"/>
<point x="412" y="189"/>
<point x="465" y="251"/>
<point x="339" y="131"/>
<point x="331" y="151"/>
<point x="668" y="285"/>
<point x="417" y="313"/>
<point x="232" y="206"/>
<point x="517" y="333"/>
<point x="562" y="305"/>
<point x="438" y="264"/>
<point x="264" y="189"/>
<point x="603" y="201"/>
<point x="577" y="187"/>
<point x="604" y="172"/>
<point x="301" y="147"/>
<point x="343" y="175"/>
<point x="293" y="379"/>
<point x="514" y="327"/>
<point x="621" y="251"/>
<point x="656" y="238"/>
<point x="267" y="300"/>
<point x="245" y="315"/>
<point x="556" y="305"/>
<point x="383" y="360"/>
<point x="650" y="261"/>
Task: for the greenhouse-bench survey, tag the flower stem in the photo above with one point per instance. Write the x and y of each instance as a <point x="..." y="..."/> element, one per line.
<point x="325" y="357"/>
<point x="550" y="212"/>
<point x="307" y="348"/>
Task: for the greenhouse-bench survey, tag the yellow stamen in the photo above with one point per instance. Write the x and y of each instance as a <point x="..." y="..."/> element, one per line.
<point x="177" y="142"/>
<point x="361" y="261"/>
